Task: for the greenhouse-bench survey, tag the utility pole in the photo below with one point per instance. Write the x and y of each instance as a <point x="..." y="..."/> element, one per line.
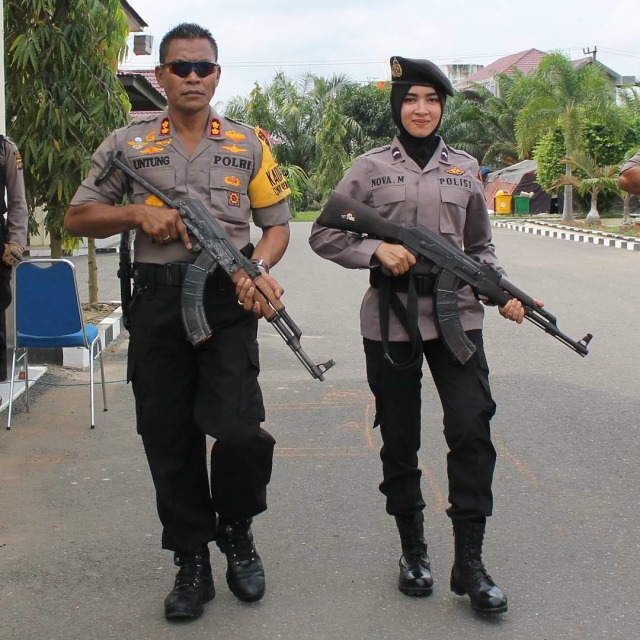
<point x="589" y="52"/>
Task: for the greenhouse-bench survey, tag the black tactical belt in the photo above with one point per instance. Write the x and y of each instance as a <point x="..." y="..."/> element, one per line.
<point x="424" y="283"/>
<point x="170" y="275"/>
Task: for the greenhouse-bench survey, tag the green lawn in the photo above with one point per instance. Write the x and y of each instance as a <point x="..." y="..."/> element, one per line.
<point x="306" y="216"/>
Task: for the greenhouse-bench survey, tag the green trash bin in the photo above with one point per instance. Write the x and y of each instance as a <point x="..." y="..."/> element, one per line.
<point x="521" y="204"/>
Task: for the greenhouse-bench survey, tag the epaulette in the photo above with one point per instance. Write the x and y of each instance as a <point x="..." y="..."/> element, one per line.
<point x="242" y="124"/>
<point x="144" y="118"/>
<point x="382" y="149"/>
<point x="460" y="152"/>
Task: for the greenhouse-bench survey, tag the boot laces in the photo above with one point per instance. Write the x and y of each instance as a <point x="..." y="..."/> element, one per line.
<point x="238" y="543"/>
<point x="190" y="572"/>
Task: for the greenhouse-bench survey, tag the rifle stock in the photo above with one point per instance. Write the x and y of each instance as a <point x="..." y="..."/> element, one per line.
<point x="452" y="266"/>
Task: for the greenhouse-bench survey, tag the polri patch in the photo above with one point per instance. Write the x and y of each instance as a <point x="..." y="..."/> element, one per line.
<point x="234" y="199"/>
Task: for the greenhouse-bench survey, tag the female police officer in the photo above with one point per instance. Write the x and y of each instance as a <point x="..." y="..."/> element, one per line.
<point x="419" y="180"/>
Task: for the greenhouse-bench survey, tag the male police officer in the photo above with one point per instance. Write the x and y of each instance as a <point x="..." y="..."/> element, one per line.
<point x="13" y="231"/>
<point x="184" y="392"/>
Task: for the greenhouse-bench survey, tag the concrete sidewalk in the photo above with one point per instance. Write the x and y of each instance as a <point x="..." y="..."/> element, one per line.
<point x="555" y="229"/>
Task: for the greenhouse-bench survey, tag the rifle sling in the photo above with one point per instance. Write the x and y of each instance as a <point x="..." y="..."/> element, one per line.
<point x="388" y="300"/>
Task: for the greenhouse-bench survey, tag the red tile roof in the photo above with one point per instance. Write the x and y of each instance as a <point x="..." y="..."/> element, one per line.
<point x="148" y="74"/>
<point x="525" y="61"/>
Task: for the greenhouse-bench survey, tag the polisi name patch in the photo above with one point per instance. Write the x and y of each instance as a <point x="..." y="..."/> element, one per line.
<point x="465" y="183"/>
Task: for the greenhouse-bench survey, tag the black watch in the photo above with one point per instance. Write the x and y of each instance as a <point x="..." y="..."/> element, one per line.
<point x="261" y="264"/>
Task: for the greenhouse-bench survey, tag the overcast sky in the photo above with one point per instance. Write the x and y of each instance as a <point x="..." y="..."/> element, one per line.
<point x="257" y="38"/>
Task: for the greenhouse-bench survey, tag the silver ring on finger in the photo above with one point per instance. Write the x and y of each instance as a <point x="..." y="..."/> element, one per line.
<point x="167" y="239"/>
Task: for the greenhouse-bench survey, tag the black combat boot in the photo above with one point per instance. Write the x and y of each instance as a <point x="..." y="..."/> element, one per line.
<point x="193" y="586"/>
<point x="245" y="575"/>
<point x="415" y="568"/>
<point x="468" y="575"/>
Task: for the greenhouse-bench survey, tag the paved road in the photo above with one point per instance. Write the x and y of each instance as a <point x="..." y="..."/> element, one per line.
<point x="79" y="549"/>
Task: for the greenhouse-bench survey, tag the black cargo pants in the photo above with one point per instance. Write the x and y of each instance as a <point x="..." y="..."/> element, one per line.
<point x="468" y="408"/>
<point x="184" y="393"/>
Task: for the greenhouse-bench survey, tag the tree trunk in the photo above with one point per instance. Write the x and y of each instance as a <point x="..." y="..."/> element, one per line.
<point x="567" y="210"/>
<point x="92" y="268"/>
<point x="626" y="210"/>
<point x="56" y="244"/>
<point x="593" y="217"/>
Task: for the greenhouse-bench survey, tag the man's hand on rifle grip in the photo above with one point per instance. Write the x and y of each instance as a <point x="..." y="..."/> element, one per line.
<point x="246" y="293"/>
<point x="515" y="310"/>
<point x="163" y="225"/>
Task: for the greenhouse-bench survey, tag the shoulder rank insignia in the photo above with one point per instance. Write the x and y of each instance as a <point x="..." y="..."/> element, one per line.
<point x="165" y="127"/>
<point x="455" y="171"/>
<point x="234" y="135"/>
<point x="215" y="128"/>
<point x="19" y="164"/>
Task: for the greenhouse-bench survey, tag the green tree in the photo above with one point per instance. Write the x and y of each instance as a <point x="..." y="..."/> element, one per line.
<point x="63" y="95"/>
<point x="596" y="179"/>
<point x="462" y="125"/>
<point x="293" y="113"/>
<point x="558" y="94"/>
<point x="548" y="154"/>
<point x="367" y="105"/>
<point x="333" y="159"/>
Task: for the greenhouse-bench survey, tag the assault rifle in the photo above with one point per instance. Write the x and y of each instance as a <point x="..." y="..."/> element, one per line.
<point x="216" y="250"/>
<point x="452" y="268"/>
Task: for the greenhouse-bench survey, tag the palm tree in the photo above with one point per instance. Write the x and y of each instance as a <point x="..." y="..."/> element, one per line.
<point x="596" y="180"/>
<point x="560" y="94"/>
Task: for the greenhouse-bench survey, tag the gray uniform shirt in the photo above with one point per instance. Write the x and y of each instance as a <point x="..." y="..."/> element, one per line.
<point x="17" y="212"/>
<point x="446" y="197"/>
<point x="631" y="163"/>
<point x="232" y="172"/>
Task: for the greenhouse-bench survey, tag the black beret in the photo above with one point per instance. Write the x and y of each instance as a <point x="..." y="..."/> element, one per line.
<point x="421" y="72"/>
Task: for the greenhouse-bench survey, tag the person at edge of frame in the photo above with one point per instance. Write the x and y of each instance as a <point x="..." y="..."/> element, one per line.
<point x="183" y="392"/>
<point x="14" y="221"/>
<point x="419" y="180"/>
<point x="629" y="180"/>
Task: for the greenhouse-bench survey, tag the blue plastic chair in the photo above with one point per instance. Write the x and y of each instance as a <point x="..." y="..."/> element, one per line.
<point x="47" y="315"/>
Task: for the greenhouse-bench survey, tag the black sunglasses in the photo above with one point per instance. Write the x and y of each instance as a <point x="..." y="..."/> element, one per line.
<point x="184" y="68"/>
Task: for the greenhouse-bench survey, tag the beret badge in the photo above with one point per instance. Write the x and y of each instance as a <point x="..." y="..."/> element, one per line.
<point x="396" y="69"/>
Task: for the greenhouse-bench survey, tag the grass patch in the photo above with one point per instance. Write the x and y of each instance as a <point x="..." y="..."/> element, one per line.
<point x="305" y="216"/>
